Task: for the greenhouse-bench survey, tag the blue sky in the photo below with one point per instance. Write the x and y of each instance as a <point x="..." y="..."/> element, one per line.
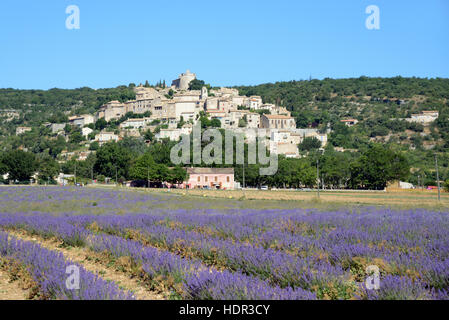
<point x="225" y="43"/>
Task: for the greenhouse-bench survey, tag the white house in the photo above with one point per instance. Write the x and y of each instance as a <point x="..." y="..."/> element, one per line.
<point x="104" y="137"/>
<point x="86" y="131"/>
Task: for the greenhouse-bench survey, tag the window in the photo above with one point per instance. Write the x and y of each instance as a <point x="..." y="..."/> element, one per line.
<point x="228" y="179"/>
<point x="199" y="178"/>
<point x="216" y="178"/>
<point x="206" y="178"/>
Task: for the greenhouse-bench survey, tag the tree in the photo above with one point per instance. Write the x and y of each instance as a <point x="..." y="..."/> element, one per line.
<point x="177" y="175"/>
<point x="94" y="146"/>
<point x="148" y="135"/>
<point x="309" y="143"/>
<point x="110" y="157"/>
<point x="48" y="169"/>
<point x="446" y="185"/>
<point x="76" y="136"/>
<point x="215" y="123"/>
<point x="205" y="121"/>
<point x="196" y="84"/>
<point x="3" y="167"/>
<point x="145" y="168"/>
<point x="334" y="166"/>
<point x="135" y="145"/>
<point x="20" y="165"/>
<point x="101" y="124"/>
<point x="376" y="167"/>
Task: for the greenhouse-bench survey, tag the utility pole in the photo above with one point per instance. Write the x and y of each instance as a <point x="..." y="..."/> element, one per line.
<point x="116" y="180"/>
<point x="75" y="173"/>
<point x="438" y="177"/>
<point x="92" y="174"/>
<point x="148" y="176"/>
<point x="318" y="177"/>
<point x="243" y="174"/>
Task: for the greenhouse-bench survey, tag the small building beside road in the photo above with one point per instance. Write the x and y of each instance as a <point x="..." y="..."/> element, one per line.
<point x="213" y="178"/>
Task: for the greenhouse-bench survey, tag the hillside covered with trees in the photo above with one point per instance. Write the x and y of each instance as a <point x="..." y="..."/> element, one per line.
<point x="350" y="159"/>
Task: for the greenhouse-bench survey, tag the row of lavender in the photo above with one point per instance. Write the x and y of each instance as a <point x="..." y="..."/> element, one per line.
<point x="47" y="271"/>
<point x="189" y="278"/>
<point x="321" y="252"/>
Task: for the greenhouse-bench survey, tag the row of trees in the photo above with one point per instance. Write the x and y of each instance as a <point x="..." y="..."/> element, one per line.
<point x="21" y="166"/>
<point x="131" y="159"/>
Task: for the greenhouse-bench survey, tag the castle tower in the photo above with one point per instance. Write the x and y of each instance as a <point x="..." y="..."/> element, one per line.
<point x="182" y="83"/>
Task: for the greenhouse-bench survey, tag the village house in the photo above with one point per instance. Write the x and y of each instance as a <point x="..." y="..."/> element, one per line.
<point x="254" y="102"/>
<point x="135" y="123"/>
<point x="280" y="111"/>
<point x="21" y="130"/>
<point x="350" y="122"/>
<point x="215" y="178"/>
<point x="252" y="120"/>
<point x="270" y="121"/>
<point x="104" y="137"/>
<point x="174" y="134"/>
<point x="112" y="110"/>
<point x="86" y="131"/>
<point x="82" y="156"/>
<point x="424" y="117"/>
<point x="82" y="120"/>
<point x="57" y="127"/>
<point x="216" y="114"/>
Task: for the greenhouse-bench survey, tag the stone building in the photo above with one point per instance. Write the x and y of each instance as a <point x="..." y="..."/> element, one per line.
<point x="182" y="83"/>
<point x="254" y="102"/>
<point x="270" y="121"/>
<point x="104" y="137"/>
<point x="82" y="120"/>
<point x="424" y="117"/>
<point x="135" y="123"/>
<point x="112" y="110"/>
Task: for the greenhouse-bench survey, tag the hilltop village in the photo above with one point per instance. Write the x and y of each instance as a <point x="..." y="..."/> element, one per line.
<point x="343" y="124"/>
<point x="171" y="112"/>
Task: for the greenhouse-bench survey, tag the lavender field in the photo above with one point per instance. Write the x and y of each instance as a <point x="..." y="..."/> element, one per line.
<point x="183" y="247"/>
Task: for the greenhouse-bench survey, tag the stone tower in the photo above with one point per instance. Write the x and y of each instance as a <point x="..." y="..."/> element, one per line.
<point x="182" y="83"/>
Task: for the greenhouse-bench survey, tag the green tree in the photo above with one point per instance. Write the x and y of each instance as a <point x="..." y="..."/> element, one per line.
<point x="76" y="136"/>
<point x="94" y="146"/>
<point x="196" y="84"/>
<point x="309" y="143"/>
<point x="216" y="123"/>
<point x="145" y="168"/>
<point x="446" y="185"/>
<point x="48" y="169"/>
<point x="148" y="135"/>
<point x="177" y="175"/>
<point x="111" y="156"/>
<point x="376" y="167"/>
<point x="101" y="124"/>
<point x="20" y="165"/>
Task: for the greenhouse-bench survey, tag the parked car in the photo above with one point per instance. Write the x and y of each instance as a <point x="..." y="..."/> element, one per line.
<point x="263" y="187"/>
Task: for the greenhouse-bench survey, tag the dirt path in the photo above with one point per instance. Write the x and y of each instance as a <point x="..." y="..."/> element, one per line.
<point x="84" y="257"/>
<point x="10" y="290"/>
